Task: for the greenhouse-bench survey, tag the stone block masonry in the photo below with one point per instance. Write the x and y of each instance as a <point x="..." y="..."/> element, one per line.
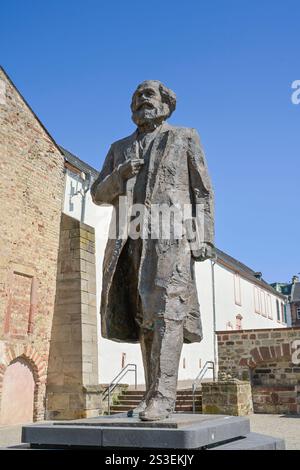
<point x="32" y="190"/>
<point x="270" y="360"/>
<point x="231" y="397"/>
<point x="72" y="390"/>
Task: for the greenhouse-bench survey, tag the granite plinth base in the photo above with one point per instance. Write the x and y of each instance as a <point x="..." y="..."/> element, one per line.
<point x="181" y="431"/>
<point x="253" y="441"/>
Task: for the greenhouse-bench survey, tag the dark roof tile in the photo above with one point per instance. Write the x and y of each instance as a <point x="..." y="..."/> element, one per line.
<point x="81" y="165"/>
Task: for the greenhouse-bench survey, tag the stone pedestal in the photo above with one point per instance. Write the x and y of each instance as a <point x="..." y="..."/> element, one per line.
<point x="74" y="402"/>
<point x="72" y="390"/>
<point x="231" y="397"/>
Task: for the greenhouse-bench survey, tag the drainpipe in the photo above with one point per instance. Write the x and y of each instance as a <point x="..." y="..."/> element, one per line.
<point x="86" y="178"/>
<point x="213" y="263"/>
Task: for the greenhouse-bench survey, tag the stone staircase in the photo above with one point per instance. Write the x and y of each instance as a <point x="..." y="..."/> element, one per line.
<point x="129" y="399"/>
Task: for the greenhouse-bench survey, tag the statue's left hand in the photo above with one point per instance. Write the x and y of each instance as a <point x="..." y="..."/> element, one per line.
<point x="207" y="251"/>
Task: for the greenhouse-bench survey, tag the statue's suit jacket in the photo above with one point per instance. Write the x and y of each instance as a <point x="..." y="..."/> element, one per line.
<point x="166" y="280"/>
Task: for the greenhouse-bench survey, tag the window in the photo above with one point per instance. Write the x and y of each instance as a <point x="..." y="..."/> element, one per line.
<point x="238" y="323"/>
<point x="123" y="360"/>
<point x="263" y="303"/>
<point x="237" y="289"/>
<point x="72" y="193"/>
<point x="269" y="306"/>
<point x="282" y="313"/>
<point x="257" y="300"/>
<point x="278" y="310"/>
<point x="298" y="313"/>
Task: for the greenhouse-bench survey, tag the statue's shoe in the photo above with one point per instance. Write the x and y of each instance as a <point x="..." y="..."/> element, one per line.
<point x="137" y="410"/>
<point x="157" y="409"/>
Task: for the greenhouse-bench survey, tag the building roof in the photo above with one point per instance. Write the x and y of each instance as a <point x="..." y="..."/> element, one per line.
<point x="79" y="164"/>
<point x="242" y="269"/>
<point x="282" y="287"/>
<point x="234" y="262"/>
<point x="296" y="292"/>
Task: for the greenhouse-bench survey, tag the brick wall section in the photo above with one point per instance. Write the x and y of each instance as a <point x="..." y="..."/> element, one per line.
<point x="72" y="390"/>
<point x="32" y="187"/>
<point x="269" y="360"/>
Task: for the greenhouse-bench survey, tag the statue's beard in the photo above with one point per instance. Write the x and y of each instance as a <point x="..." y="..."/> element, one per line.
<point x="150" y="117"/>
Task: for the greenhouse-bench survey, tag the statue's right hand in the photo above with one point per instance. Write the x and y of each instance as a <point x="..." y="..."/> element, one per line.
<point x="130" y="168"/>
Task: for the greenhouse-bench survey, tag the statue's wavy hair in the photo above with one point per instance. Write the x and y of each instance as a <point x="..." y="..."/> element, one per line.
<point x="167" y="95"/>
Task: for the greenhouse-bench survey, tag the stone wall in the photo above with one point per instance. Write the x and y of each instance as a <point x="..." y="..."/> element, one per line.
<point x="72" y="384"/>
<point x="231" y="397"/>
<point x="270" y="360"/>
<point x="32" y="187"/>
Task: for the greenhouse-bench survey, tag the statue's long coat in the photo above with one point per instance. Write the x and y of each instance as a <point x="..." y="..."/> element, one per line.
<point x="177" y="174"/>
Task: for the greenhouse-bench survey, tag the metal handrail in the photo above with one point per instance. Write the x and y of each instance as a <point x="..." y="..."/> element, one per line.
<point x="112" y="385"/>
<point x="207" y="366"/>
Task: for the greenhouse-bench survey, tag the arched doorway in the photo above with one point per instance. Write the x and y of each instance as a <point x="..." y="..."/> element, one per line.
<point x="17" y="398"/>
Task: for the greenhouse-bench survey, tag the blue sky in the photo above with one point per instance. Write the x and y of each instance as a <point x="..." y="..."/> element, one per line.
<point x="231" y="64"/>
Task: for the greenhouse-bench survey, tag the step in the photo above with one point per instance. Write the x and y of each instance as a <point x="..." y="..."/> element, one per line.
<point x="125" y="401"/>
<point x="130" y="397"/>
<point x="183" y="409"/>
<point x="138" y="395"/>
<point x="113" y="412"/>
<point x="178" y="398"/>
<point x="188" y="397"/>
<point x="120" y="408"/>
<point x="129" y="403"/>
<point x="179" y="392"/>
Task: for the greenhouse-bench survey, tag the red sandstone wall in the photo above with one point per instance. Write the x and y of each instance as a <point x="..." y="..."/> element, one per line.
<point x="270" y="359"/>
<point x="32" y="186"/>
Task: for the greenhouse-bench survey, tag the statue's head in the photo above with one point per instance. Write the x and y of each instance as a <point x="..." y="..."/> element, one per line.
<point x="152" y="103"/>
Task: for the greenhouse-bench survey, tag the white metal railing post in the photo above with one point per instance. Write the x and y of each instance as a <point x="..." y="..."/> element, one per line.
<point x="208" y="365"/>
<point x="112" y="385"/>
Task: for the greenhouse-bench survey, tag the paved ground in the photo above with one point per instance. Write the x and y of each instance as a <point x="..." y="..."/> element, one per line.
<point x="287" y="427"/>
<point x="284" y="426"/>
<point x="10" y="435"/>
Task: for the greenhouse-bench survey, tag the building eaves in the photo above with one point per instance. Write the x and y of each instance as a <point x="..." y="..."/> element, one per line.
<point x="78" y="163"/>
<point x="245" y="271"/>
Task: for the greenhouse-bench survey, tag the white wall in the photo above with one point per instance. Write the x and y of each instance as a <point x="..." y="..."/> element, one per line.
<point x="195" y="355"/>
<point x="227" y="309"/>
